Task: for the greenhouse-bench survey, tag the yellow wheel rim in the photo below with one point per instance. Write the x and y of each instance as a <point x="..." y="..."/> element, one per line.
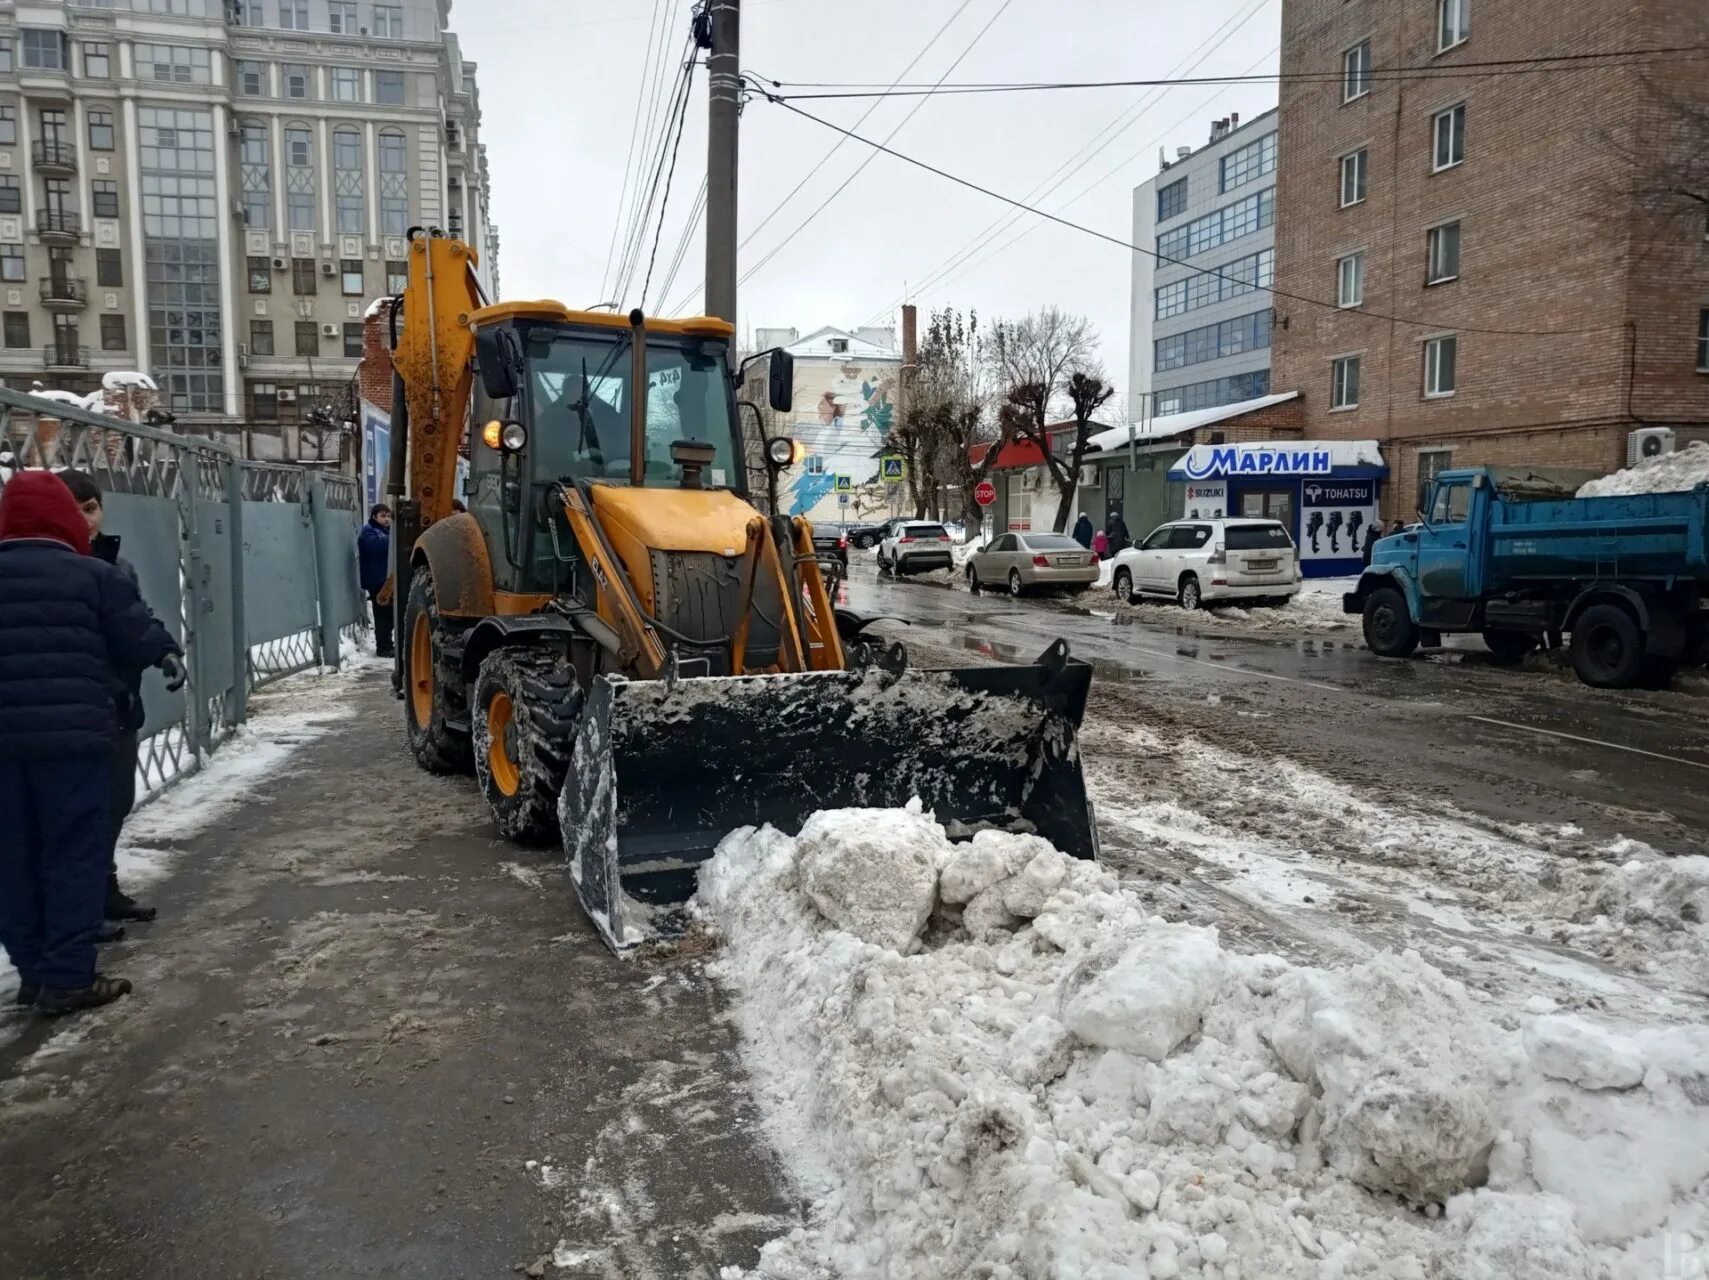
<point x="421" y="671"/>
<point x="506" y="776"/>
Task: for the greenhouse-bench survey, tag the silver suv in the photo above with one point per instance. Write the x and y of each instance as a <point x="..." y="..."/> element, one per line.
<point x="1199" y="562"/>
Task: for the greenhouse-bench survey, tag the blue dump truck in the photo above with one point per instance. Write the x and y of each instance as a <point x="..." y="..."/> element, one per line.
<point x="1514" y="556"/>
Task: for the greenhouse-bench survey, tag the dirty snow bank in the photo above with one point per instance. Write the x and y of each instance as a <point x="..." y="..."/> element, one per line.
<point x="1670" y="473"/>
<point x="1034" y="1077"/>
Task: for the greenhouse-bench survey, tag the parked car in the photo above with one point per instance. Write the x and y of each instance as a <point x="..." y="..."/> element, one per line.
<point x="1019" y="562"/>
<point x="864" y="536"/>
<point x="831" y="545"/>
<point x="1199" y="562"/>
<point x="915" y="546"/>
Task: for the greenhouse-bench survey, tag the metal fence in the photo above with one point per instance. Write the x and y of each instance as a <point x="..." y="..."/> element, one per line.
<point x="251" y="566"/>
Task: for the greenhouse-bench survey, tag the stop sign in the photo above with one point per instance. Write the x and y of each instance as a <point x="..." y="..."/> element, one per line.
<point x="985" y="493"/>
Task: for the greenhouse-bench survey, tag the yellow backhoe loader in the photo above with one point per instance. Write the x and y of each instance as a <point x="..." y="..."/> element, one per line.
<point x="631" y="657"/>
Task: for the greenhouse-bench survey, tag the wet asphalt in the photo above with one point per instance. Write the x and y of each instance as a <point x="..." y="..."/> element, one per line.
<point x="1527" y="745"/>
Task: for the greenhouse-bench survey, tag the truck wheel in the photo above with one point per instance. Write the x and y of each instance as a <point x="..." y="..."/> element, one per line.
<point x="1389" y="629"/>
<point x="1508" y="648"/>
<point x="1607" y="647"/>
<point x="433" y="690"/>
<point x="1124" y="586"/>
<point x="1189" y="595"/>
<point x="527" y="704"/>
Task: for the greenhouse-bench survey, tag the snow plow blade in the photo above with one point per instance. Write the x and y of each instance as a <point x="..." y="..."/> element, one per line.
<point x="662" y="772"/>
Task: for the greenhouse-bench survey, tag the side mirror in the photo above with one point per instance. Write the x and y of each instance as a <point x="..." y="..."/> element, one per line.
<point x="498" y="355"/>
<point x="780" y="383"/>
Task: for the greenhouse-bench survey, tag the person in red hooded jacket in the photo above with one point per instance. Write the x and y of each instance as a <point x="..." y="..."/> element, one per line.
<point x="71" y="627"/>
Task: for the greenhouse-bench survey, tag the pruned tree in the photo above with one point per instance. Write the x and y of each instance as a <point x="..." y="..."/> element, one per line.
<point x="1046" y="359"/>
<point x="948" y="412"/>
<point x="1666" y="153"/>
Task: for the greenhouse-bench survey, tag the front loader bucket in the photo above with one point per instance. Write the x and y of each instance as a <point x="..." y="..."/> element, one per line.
<point x="661" y="773"/>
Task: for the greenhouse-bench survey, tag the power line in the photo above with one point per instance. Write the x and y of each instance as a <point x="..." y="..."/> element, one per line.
<point x="653" y="146"/>
<point x="1426" y="71"/>
<point x="696" y="212"/>
<point x="670" y="177"/>
<point x="644" y="210"/>
<point x="634" y="132"/>
<point x="1164" y="258"/>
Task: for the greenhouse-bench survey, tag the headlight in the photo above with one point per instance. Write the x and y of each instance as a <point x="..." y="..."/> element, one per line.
<point x="782" y="451"/>
<point x="513" y="437"/>
<point x="490" y="433"/>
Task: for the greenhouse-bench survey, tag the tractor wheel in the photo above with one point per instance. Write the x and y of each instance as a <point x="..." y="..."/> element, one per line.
<point x="1608" y="647"/>
<point x="527" y="704"/>
<point x="1389" y="629"/>
<point x="433" y="691"/>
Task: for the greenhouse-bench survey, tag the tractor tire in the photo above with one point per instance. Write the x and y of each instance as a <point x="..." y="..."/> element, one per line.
<point x="1189" y="595"/>
<point x="527" y="705"/>
<point x="433" y="688"/>
<point x="1608" y="648"/>
<point x="1389" y="629"/>
<point x="1124" y="587"/>
<point x="1508" y="648"/>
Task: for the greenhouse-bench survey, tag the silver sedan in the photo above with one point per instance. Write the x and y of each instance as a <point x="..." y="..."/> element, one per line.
<point x="1020" y="562"/>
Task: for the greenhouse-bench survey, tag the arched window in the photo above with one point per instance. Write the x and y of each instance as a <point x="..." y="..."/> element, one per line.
<point x="394" y="184"/>
<point x="256" y="161"/>
<point x="347" y="180"/>
<point x="300" y="177"/>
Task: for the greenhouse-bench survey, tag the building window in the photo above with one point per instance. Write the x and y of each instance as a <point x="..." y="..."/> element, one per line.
<point x="350" y="273"/>
<point x="17" y="329"/>
<point x="255" y="175"/>
<point x="1356" y="71"/>
<point x="1431" y="463"/>
<point x="1450" y="131"/>
<point x="104" y="199"/>
<point x="1441" y="356"/>
<point x="252" y="79"/>
<point x="1205" y="288"/>
<point x="1350" y="280"/>
<point x="181" y="219"/>
<point x="1231" y="222"/>
<point x="1353" y="177"/>
<point x="389" y="21"/>
<point x="353" y="340"/>
<point x="1172" y="200"/>
<point x="303" y="282"/>
<point x="341" y="17"/>
<point x="109" y="269"/>
<point x="97" y="60"/>
<point x="389" y="88"/>
<point x="346" y="84"/>
<point x="294" y="15"/>
<point x="100" y="129"/>
<point x="296" y="80"/>
<point x="1703" y="341"/>
<point x="347" y="183"/>
<point x="113" y="333"/>
<point x="394" y="185"/>
<point x="299" y="177"/>
<point x="1453" y="23"/>
<point x="174" y="63"/>
<point x="44" y="50"/>
<point x="1213" y="341"/>
<point x="260" y="337"/>
<point x="1443" y="244"/>
<point x="11" y="262"/>
<point x="308" y="338"/>
<point x="264" y="401"/>
<point x="260" y="275"/>
<point x="8" y="126"/>
<point x="1212" y="394"/>
<point x="11" y="194"/>
<point x="6" y="63"/>
<point x="397" y="277"/>
<point x="1253" y="161"/>
<point x="1344" y="382"/>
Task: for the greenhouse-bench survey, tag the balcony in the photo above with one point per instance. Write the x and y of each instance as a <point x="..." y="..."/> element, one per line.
<point x="64" y="293"/>
<point x="54" y="157"/>
<point x="65" y="355"/>
<point x="60" y="226"/>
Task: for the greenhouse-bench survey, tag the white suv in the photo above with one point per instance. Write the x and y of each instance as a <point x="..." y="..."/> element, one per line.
<point x="1212" y="561"/>
<point x="914" y="547"/>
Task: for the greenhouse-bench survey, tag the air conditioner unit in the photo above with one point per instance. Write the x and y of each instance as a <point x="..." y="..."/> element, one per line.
<point x="243" y="362"/>
<point x="281" y="264"/>
<point x="329" y="268"/>
<point x="329" y="331"/>
<point x="1089" y="475"/>
<point x="1031" y="479"/>
<point x="287" y="395"/>
<point x="1649" y="442"/>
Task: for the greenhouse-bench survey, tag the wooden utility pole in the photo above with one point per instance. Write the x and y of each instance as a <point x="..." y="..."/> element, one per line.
<point x="905" y="405"/>
<point x="724" y="85"/>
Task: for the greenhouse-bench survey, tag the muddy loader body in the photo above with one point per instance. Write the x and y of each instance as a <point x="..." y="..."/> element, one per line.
<point x="633" y="660"/>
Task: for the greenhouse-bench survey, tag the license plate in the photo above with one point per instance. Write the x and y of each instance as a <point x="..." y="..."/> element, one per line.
<point x="1260" y="564"/>
<point x="1070" y="562"/>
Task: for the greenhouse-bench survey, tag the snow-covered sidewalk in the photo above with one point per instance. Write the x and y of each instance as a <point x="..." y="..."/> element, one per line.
<point x="988" y="1059"/>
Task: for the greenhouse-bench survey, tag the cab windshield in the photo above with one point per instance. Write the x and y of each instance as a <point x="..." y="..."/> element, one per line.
<point x="580" y="392"/>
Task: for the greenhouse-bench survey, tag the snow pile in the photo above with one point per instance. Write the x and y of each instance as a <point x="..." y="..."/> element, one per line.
<point x="127" y="380"/>
<point x="1042" y="1079"/>
<point x="1310" y="610"/>
<point x="1651" y="907"/>
<point x="1670" y="473"/>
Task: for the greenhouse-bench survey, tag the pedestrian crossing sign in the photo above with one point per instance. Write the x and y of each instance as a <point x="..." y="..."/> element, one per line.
<point x="845" y="484"/>
<point x="892" y="466"/>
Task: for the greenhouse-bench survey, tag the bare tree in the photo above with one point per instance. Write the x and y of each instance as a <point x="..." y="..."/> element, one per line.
<point x="1666" y="155"/>
<point x="1049" y="358"/>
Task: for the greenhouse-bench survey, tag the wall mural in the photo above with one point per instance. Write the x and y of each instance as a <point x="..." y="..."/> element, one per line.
<point x="854" y="414"/>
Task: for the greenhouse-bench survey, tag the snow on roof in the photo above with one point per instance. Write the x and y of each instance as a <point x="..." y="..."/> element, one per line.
<point x="1175" y="424"/>
<point x="378" y="307"/>
<point x="858" y="345"/>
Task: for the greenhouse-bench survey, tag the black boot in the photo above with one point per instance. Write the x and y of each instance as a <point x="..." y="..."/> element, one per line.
<point x="121" y="906"/>
<point x="109" y="932"/>
<point x="104" y="990"/>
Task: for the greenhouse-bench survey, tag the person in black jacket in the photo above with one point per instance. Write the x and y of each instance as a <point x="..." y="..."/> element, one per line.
<point x="71" y="627"/>
<point x="127" y="703"/>
<point x="374" y="566"/>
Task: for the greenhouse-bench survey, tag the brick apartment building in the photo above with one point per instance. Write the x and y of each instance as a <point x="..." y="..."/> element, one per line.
<point x="1548" y="232"/>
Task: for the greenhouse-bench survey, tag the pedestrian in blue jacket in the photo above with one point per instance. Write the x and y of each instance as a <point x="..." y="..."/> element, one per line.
<point x="71" y="628"/>
<point x="374" y="563"/>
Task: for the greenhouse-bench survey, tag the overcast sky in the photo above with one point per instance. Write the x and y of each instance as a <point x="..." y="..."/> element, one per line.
<point x="559" y="81"/>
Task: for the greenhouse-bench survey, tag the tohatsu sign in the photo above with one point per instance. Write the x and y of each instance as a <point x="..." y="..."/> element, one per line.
<point x="1206" y="460"/>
